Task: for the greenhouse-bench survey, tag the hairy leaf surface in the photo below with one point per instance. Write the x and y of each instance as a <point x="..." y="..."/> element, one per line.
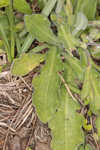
<point x="66" y="125"/>
<point x="46" y="87"/>
<point x="39" y="26"/>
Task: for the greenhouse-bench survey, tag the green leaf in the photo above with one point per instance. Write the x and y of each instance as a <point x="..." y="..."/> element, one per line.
<point x="60" y="4"/>
<point x="71" y="78"/>
<point x="27" y="43"/>
<point x="4" y="3"/>
<point x="73" y="73"/>
<point x="46" y="87"/>
<point x="89" y="9"/>
<point x="22" y="6"/>
<point x="6" y="42"/>
<point x="39" y="48"/>
<point x="81" y="23"/>
<point x="39" y="26"/>
<point x="86" y="84"/>
<point x="4" y="21"/>
<point x="40" y="3"/>
<point x="98" y="125"/>
<point x="91" y="88"/>
<point x="26" y="63"/>
<point x="83" y="57"/>
<point x="48" y="7"/>
<point x="9" y="12"/>
<point x="66" y="38"/>
<point x="66" y="125"/>
<point x="75" y="65"/>
<point x="95" y="90"/>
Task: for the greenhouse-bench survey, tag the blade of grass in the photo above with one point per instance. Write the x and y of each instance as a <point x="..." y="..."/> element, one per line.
<point x="6" y="43"/>
<point x="10" y="15"/>
<point x="39" y="48"/>
<point x="27" y="43"/>
<point x="22" y="33"/>
<point x="18" y="44"/>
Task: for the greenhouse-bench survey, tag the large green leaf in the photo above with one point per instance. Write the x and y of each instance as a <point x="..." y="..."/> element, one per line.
<point x="66" y="125"/>
<point x="26" y="63"/>
<point x="39" y="26"/>
<point x="89" y="9"/>
<point x="46" y="87"/>
<point x="22" y="6"/>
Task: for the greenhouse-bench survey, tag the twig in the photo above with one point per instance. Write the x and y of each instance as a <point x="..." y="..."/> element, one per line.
<point x="67" y="88"/>
<point x="26" y="83"/>
<point x="7" y="95"/>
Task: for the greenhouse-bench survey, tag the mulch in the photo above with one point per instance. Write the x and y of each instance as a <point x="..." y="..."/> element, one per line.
<point x="20" y="127"/>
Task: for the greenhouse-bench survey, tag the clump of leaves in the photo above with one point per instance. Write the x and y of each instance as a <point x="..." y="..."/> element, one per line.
<point x="69" y="78"/>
